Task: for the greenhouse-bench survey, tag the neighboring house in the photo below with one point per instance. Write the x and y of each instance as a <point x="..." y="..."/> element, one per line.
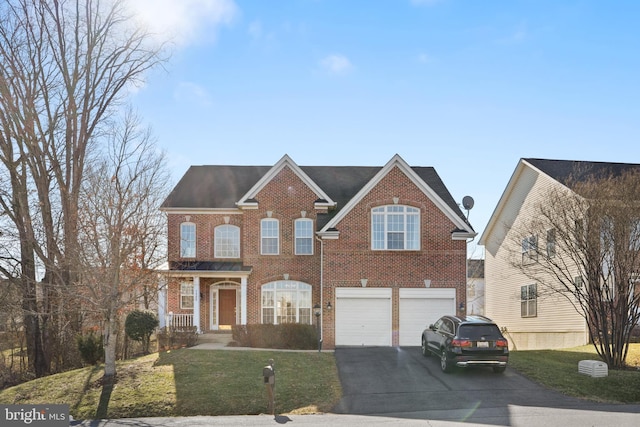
<point x="475" y="286"/>
<point x="379" y="252"/>
<point x="512" y="300"/>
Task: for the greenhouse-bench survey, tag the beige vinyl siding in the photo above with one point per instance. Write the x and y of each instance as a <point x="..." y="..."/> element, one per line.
<point x="557" y="324"/>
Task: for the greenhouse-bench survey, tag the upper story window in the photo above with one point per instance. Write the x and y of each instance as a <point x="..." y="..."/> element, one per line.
<point x="529" y="249"/>
<point x="395" y="227"/>
<point x="226" y="241"/>
<point x="304" y="236"/>
<point x="188" y="240"/>
<point x="634" y="235"/>
<point x="269" y="236"/>
<point x="551" y="243"/>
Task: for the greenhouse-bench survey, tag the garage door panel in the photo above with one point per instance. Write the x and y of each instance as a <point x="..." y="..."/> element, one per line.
<point x="363" y="318"/>
<point x="419" y="309"/>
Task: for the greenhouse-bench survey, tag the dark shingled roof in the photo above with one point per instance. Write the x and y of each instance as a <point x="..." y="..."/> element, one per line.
<point x="221" y="186"/>
<point x="207" y="266"/>
<point x="576" y="170"/>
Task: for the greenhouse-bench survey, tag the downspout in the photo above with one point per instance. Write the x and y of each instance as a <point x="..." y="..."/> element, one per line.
<point x="321" y="289"/>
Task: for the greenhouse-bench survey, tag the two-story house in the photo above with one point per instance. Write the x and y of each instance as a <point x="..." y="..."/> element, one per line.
<point x="380" y="252"/>
<point x="535" y="318"/>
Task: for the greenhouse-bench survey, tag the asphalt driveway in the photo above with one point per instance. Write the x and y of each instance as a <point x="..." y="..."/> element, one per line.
<point x="400" y="382"/>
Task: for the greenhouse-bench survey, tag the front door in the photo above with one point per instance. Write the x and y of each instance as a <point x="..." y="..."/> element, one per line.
<point x="227" y="301"/>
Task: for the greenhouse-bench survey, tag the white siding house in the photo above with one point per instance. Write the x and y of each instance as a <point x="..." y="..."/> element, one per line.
<point x="531" y="319"/>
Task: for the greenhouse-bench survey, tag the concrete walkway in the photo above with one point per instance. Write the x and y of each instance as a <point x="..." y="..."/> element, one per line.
<point x="221" y="341"/>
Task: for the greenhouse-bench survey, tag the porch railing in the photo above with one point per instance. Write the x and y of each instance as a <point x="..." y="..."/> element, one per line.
<point x="179" y="321"/>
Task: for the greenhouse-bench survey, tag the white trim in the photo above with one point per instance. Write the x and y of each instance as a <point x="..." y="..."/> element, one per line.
<point x="285" y="161"/>
<point x="397" y="161"/>
<point x="203" y="211"/>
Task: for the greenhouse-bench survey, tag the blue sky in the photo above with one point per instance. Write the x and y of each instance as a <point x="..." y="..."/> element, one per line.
<point x="468" y="87"/>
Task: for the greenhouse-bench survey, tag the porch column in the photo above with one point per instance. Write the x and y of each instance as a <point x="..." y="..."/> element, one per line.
<point x="162" y="300"/>
<point x="196" y="303"/>
<point x="243" y="301"/>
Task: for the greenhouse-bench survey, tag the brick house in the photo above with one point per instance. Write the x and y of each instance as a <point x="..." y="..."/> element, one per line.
<point x="379" y="252"/>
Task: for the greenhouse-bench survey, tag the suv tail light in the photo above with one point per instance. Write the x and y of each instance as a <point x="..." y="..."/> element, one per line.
<point x="461" y="343"/>
<point x="502" y="343"/>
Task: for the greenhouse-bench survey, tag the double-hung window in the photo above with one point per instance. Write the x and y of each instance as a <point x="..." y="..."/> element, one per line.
<point x="187" y="240"/>
<point x="529" y="249"/>
<point x="395" y="227"/>
<point x="286" y="301"/>
<point x="227" y="241"/>
<point x="551" y="243"/>
<point x="269" y="236"/>
<point x="186" y="295"/>
<point x="304" y="236"/>
<point x="528" y="301"/>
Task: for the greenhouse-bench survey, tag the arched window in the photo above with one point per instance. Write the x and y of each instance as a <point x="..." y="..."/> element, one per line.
<point x="304" y="236"/>
<point x="269" y="236"/>
<point x="286" y="301"/>
<point x="395" y="227"/>
<point x="226" y="241"/>
<point x="188" y="240"/>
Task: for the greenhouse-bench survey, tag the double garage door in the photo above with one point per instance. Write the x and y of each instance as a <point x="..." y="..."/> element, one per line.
<point x="364" y="316"/>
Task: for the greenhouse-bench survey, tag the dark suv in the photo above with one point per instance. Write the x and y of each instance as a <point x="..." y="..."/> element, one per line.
<point x="466" y="341"/>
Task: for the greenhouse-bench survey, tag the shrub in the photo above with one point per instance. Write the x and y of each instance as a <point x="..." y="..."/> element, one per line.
<point x="90" y="348"/>
<point x="170" y="338"/>
<point x="139" y="326"/>
<point x="290" y="336"/>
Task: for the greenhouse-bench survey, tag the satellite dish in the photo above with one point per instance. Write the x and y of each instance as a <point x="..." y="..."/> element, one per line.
<point x="467" y="202"/>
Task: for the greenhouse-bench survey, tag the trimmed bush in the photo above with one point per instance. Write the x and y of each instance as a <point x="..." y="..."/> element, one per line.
<point x="171" y="338"/>
<point x="90" y="348"/>
<point x="139" y="326"/>
<point x="290" y="336"/>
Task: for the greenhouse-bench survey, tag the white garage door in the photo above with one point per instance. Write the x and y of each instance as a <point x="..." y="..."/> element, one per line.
<point x="421" y="307"/>
<point x="363" y="316"/>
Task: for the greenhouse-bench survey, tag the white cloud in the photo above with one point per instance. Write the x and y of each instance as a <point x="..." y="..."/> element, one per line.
<point x="184" y="21"/>
<point x="336" y="64"/>
<point x="192" y="93"/>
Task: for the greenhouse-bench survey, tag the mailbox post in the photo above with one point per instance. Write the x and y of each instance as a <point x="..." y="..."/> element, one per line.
<point x="269" y="375"/>
<point x="316" y="310"/>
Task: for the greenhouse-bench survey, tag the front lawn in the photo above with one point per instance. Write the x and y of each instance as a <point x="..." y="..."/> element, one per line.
<point x="190" y="382"/>
<point x="558" y="370"/>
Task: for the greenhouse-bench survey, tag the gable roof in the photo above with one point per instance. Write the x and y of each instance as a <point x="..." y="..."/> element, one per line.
<point x="224" y="187"/>
<point x="563" y="172"/>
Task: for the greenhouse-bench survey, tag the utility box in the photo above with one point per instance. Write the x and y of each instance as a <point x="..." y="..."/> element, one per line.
<point x="593" y="368"/>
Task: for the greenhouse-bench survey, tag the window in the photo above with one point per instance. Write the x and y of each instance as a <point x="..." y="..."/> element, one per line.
<point x="529" y="249"/>
<point x="395" y="227"/>
<point x="269" y="236"/>
<point x="551" y="243"/>
<point x="528" y="301"/>
<point x="634" y="235"/>
<point x="578" y="282"/>
<point x="227" y="241"/>
<point x="286" y="301"/>
<point x="186" y="295"/>
<point x="187" y="240"/>
<point x="304" y="236"/>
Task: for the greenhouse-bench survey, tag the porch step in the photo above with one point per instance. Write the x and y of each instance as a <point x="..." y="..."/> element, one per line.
<point x="215" y="337"/>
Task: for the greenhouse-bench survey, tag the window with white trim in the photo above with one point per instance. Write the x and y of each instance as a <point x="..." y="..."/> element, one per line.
<point x="226" y="241"/>
<point x="186" y="295"/>
<point x="286" y="301"/>
<point x="551" y="243"/>
<point x="529" y="249"/>
<point x="269" y="236"/>
<point x="634" y="235"/>
<point x="187" y="240"/>
<point x="395" y="227"/>
<point x="304" y="236"/>
<point x="528" y="301"/>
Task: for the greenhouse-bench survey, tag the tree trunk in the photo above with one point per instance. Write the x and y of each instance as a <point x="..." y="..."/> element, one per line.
<point x="110" y="344"/>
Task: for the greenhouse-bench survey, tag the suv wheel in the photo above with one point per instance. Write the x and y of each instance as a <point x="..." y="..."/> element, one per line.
<point x="425" y="350"/>
<point x="445" y="365"/>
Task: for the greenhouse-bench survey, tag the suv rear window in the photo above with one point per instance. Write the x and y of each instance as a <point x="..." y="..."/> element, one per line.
<point x="476" y="332"/>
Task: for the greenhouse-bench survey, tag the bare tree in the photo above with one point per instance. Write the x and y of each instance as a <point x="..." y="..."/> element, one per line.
<point x="121" y="227"/>
<point x="65" y="66"/>
<point x="592" y="254"/>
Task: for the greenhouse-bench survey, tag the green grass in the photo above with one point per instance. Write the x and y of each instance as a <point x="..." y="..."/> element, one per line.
<point x="558" y="370"/>
<point x="190" y="382"/>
